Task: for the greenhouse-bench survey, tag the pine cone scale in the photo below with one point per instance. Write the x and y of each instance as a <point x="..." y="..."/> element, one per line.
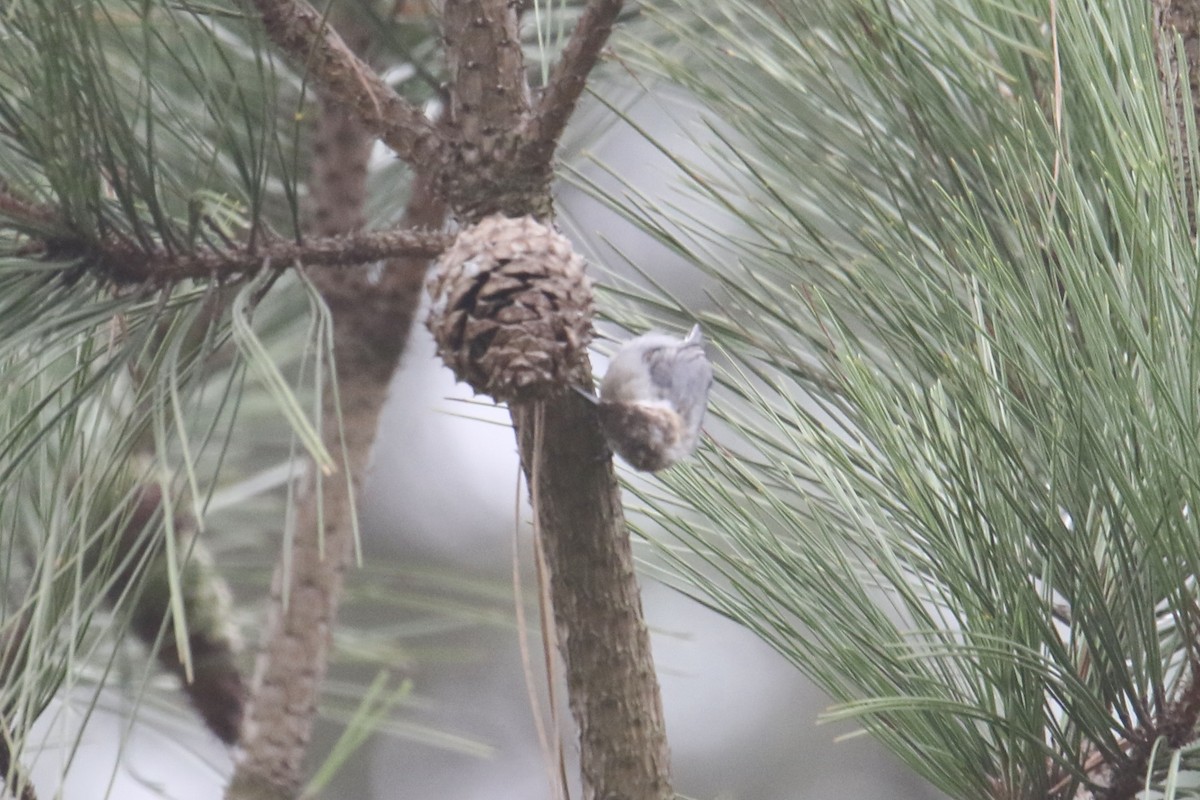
<point x="512" y="309"/>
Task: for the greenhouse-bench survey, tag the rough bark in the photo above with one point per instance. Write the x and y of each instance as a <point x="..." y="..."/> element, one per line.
<point x="1180" y="18"/>
<point x="611" y="682"/>
<point x="371" y="319"/>
<point x="124" y="261"/>
<point x="488" y="94"/>
<point x="489" y="101"/>
<point x="303" y="33"/>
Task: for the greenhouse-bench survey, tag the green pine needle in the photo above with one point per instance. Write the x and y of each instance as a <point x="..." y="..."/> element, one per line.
<point x="956" y="476"/>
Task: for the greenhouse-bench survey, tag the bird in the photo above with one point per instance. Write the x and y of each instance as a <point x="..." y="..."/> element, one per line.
<point x="653" y="398"/>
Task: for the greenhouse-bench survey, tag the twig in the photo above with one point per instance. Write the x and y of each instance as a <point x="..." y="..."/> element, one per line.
<point x="303" y="34"/>
<point x="26" y="211"/>
<point x="568" y="80"/>
<point x="126" y="263"/>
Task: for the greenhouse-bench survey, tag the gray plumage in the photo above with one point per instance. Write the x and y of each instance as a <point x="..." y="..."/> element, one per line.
<point x="653" y="397"/>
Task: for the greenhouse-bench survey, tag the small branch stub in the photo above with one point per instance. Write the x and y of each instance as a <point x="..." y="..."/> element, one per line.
<point x="512" y="309"/>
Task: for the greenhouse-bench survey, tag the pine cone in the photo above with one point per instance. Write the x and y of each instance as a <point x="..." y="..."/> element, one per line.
<point x="512" y="309"/>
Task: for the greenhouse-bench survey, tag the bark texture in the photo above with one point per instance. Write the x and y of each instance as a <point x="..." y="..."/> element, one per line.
<point x="489" y="101"/>
<point x="303" y="33"/>
<point x="611" y="682"/>
<point x="128" y="262"/>
<point x="372" y="313"/>
<point x="1180" y="18"/>
<point x="567" y="82"/>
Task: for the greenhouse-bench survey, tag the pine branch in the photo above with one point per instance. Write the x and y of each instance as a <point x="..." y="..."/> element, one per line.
<point x="487" y="71"/>
<point x="27" y="212"/>
<point x="302" y="33"/>
<point x="489" y="99"/>
<point x="611" y="681"/>
<point x="568" y="80"/>
<point x="126" y="262"/>
<point x="216" y="688"/>
<point x="505" y="166"/>
<point x="371" y="320"/>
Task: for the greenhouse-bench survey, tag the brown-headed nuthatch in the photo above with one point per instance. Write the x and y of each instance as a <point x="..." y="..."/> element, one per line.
<point x="652" y="399"/>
